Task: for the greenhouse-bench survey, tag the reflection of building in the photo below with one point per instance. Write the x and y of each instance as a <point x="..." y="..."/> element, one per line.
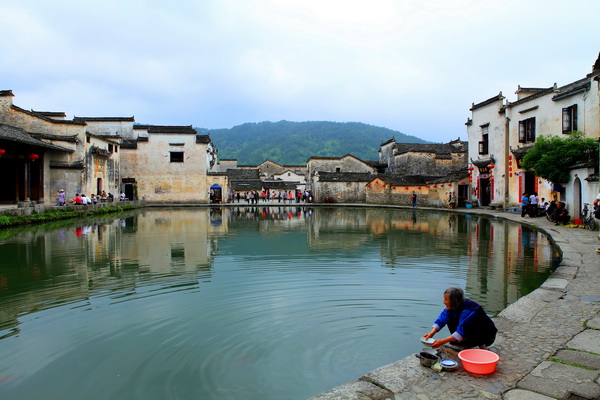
<point x="502" y="258"/>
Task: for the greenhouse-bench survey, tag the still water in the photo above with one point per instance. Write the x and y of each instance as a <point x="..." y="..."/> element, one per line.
<point x="242" y="303"/>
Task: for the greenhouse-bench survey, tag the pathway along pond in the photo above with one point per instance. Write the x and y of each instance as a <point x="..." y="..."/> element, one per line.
<point x="241" y="303"/>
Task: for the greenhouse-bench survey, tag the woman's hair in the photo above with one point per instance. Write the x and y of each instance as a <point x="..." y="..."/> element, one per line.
<point x="456" y="297"/>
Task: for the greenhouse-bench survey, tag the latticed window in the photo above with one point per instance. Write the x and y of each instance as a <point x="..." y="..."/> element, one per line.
<point x="527" y="130"/>
<point x="569" y="119"/>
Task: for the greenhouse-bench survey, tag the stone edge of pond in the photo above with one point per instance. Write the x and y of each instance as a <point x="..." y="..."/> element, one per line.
<point x="522" y="378"/>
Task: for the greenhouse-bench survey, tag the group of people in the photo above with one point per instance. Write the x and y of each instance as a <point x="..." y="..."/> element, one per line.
<point x="83" y="200"/>
<point x="253" y="197"/>
<point x="531" y="205"/>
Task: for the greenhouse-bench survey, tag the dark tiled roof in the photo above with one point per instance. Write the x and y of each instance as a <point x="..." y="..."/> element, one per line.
<point x="66" y="165"/>
<point x="172" y="129"/>
<point x="13" y="134"/>
<point x="572" y="88"/>
<point x="534" y="96"/>
<point x="41" y="116"/>
<point x="279" y="185"/>
<point x="519" y="152"/>
<point x="106" y="138"/>
<point x="401" y="180"/>
<point x="70" y="138"/>
<point x="483" y="162"/>
<point x="441" y="150"/>
<point x="105" y="119"/>
<point x="491" y="100"/>
<point x="6" y="93"/>
<point x="99" y="151"/>
<point x="202" y="139"/>
<point x="167" y="129"/>
<point x="242" y="174"/>
<point x="128" y="144"/>
<point x="245" y="185"/>
<point x="51" y="114"/>
<point x="345" y="176"/>
<point x="453" y="176"/>
<point x="388" y="141"/>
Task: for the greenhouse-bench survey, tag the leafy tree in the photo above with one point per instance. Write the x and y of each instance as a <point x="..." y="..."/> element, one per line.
<point x="552" y="157"/>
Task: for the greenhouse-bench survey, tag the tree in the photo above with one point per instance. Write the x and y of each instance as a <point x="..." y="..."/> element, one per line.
<point x="552" y="157"/>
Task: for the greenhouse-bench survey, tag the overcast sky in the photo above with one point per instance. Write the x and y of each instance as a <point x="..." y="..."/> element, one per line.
<point x="411" y="66"/>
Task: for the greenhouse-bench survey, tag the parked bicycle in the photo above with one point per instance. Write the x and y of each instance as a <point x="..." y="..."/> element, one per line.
<point x="587" y="217"/>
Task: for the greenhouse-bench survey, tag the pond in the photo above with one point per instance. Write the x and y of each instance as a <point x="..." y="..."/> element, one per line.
<point x="241" y="303"/>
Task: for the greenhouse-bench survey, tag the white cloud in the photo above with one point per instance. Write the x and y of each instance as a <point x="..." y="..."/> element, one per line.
<point x="411" y="66"/>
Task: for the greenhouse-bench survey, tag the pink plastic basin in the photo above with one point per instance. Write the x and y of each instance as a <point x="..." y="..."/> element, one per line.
<point x="479" y="361"/>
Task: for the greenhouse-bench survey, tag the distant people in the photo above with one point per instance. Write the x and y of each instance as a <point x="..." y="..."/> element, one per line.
<point x="94" y="199"/>
<point x="122" y="196"/>
<point x="561" y="215"/>
<point x="77" y="200"/>
<point x="61" y="197"/>
<point x="110" y="197"/>
<point x="524" y="204"/>
<point x="533" y="205"/>
<point x="413" y="198"/>
<point x="84" y="200"/>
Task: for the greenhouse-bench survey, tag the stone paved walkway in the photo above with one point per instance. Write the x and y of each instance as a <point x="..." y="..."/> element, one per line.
<point x="548" y="341"/>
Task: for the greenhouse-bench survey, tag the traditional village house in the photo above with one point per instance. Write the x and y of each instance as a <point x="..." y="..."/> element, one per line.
<point x="512" y="129"/>
<point x="488" y="145"/>
<point x="244" y="181"/>
<point x="340" y="187"/>
<point x="436" y="173"/>
<point x="170" y="164"/>
<point x="44" y="152"/>
<point x="322" y="182"/>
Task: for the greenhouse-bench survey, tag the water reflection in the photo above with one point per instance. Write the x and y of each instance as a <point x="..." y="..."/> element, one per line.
<point x="227" y="297"/>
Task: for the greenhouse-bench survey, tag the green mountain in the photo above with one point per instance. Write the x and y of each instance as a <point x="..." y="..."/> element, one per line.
<point x="292" y="143"/>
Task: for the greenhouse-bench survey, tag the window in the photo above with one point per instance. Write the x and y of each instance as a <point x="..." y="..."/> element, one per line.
<point x="484" y="144"/>
<point x="110" y="148"/>
<point x="527" y="130"/>
<point x="177" y="156"/>
<point x="88" y="140"/>
<point x="569" y="119"/>
<point x="116" y="149"/>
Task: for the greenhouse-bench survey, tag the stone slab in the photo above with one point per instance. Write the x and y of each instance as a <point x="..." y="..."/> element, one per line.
<point x="588" y="340"/>
<point x="546" y="295"/>
<point x="520" y="394"/>
<point x="565" y="272"/>
<point x="578" y="357"/>
<point x="524" y="309"/>
<point x="593" y="323"/>
<point x="555" y="284"/>
<point x="560" y="380"/>
<point x="356" y="390"/>
<point x="398" y="375"/>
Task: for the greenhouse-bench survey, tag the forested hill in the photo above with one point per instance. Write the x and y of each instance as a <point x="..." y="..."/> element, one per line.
<point x="293" y="143"/>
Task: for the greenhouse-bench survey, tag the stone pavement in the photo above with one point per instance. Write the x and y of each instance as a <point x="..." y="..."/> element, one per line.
<point x="548" y="341"/>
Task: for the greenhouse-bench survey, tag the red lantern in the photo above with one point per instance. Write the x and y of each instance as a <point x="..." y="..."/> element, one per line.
<point x="435" y="186"/>
<point x="33" y="156"/>
<point x="576" y="175"/>
<point x="419" y="187"/>
<point x="510" y="157"/>
<point x="470" y="168"/>
<point x="406" y="187"/>
<point x="490" y="166"/>
<point x="428" y="186"/>
<point x="510" y="169"/>
<point x="510" y="174"/>
<point x="2" y="152"/>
